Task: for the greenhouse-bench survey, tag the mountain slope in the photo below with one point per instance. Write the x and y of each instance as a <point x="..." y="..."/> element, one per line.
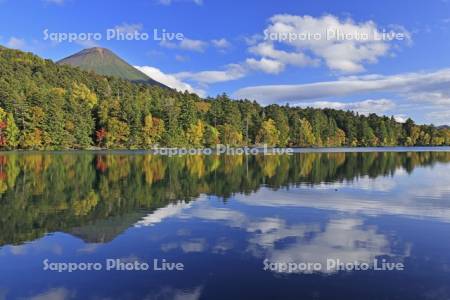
<point x="104" y="62"/>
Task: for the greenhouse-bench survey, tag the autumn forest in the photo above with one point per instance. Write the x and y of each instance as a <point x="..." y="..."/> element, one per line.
<point x="48" y="106"/>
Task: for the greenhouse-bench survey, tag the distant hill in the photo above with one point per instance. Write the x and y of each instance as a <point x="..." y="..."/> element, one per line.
<point x="105" y="62"/>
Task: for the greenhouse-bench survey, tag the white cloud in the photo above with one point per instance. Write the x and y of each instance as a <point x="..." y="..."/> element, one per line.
<point x="186" y="44"/>
<point x="253" y="39"/>
<point x="285" y="58"/>
<point x="177" y="294"/>
<point x="193" y="45"/>
<point x="409" y="85"/>
<point x="181" y="58"/>
<point x="309" y="242"/>
<point x="169" y="2"/>
<point x="349" y="54"/>
<point x="196" y="245"/>
<point x="169" y="79"/>
<point x="89" y="248"/>
<point x="162" y="213"/>
<point x="440" y="117"/>
<point x="357" y="197"/>
<point x="340" y="239"/>
<point x="18" y="250"/>
<point x="428" y="94"/>
<point x="197" y="45"/>
<point x="222" y="44"/>
<point x="16" y="43"/>
<point x="401" y="118"/>
<point x="87" y="43"/>
<point x="54" y="294"/>
<point x="58" y="2"/>
<point x="435" y="97"/>
<point x="365" y="107"/>
<point x="231" y="72"/>
<point x="128" y="28"/>
<point x="266" y="65"/>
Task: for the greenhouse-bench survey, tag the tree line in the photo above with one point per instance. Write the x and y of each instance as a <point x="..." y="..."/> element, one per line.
<point x="47" y="106"/>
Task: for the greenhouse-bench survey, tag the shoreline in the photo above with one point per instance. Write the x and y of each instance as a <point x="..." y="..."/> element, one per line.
<point x="254" y="150"/>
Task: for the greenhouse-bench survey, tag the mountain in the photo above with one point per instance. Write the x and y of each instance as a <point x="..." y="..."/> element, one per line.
<point x="105" y="62"/>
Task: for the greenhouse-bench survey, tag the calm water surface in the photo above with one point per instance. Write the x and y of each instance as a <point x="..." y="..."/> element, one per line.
<point x="222" y="217"/>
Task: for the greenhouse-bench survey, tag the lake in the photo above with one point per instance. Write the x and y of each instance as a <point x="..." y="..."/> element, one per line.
<point x="327" y="224"/>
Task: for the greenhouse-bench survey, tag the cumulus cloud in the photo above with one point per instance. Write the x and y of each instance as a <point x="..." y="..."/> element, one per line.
<point x="193" y="45"/>
<point x="16" y="43"/>
<point x="401" y="118"/>
<point x="266" y="49"/>
<point x="169" y="79"/>
<point x="266" y="65"/>
<point x="309" y="242"/>
<point x="253" y="39"/>
<point x="222" y="43"/>
<point x="343" y="45"/>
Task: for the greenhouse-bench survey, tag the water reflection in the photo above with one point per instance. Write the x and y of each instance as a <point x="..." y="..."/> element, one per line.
<point x="222" y="216"/>
<point x="41" y="193"/>
<point x="345" y="238"/>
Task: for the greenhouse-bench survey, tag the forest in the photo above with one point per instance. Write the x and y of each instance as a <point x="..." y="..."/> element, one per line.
<point x="48" y="106"/>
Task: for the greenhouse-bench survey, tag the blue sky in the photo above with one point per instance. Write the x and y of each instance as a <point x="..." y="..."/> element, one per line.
<point x="232" y="47"/>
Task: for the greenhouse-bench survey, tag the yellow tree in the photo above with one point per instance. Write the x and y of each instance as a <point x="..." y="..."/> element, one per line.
<point x="268" y="134"/>
<point x="195" y="134"/>
<point x="306" y="135"/>
<point x="117" y="133"/>
<point x="229" y="135"/>
<point x="82" y="93"/>
<point x="152" y="130"/>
